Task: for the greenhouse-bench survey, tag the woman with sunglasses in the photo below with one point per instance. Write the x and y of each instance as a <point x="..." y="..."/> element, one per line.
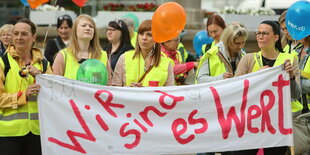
<point x="271" y="54"/>
<point x="84" y="44"/>
<point x="180" y="69"/>
<point x="143" y="66"/>
<point x="64" y="25"/>
<point x="119" y="41"/>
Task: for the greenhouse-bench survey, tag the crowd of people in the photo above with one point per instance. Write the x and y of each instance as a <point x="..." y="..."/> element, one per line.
<point x="134" y="59"/>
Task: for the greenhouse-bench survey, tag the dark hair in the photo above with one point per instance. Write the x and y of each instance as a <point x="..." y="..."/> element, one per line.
<point x="277" y="31"/>
<point x="13" y="20"/>
<point x="30" y="23"/>
<point x="63" y="18"/>
<point x="125" y="38"/>
<point x="216" y="19"/>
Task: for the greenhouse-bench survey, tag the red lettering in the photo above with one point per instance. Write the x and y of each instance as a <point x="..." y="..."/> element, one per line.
<point x="280" y="84"/>
<point x="177" y="133"/>
<point x="134" y="132"/>
<point x="144" y="114"/>
<point x="251" y="116"/>
<point x="72" y="134"/>
<point x="174" y="98"/>
<point x="140" y="125"/>
<point x="265" y="111"/>
<point x="226" y="122"/>
<point x="101" y="122"/>
<point x="201" y="121"/>
<point x="107" y="104"/>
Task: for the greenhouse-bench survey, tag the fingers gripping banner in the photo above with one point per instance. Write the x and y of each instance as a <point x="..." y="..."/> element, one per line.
<point x="251" y="111"/>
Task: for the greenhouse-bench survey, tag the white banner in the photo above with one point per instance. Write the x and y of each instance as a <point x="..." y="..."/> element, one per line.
<point x="251" y="111"/>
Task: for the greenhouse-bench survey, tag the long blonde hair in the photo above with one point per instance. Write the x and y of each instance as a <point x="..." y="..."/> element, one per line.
<point x="94" y="46"/>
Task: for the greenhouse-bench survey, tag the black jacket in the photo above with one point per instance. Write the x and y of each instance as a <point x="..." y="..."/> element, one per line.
<point x="52" y="49"/>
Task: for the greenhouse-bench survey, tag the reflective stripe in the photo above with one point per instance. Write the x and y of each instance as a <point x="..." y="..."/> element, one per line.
<point x="34" y="116"/>
<point x="24" y="115"/>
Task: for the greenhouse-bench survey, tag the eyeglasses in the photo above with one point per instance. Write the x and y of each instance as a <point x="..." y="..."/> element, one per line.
<point x="119" y="23"/>
<point x="263" y="33"/>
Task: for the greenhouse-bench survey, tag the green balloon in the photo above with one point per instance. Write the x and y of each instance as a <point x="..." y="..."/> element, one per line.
<point x="134" y="18"/>
<point x="92" y="71"/>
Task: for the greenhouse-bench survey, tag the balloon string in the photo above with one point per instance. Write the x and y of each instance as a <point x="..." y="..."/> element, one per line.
<point x="43" y="46"/>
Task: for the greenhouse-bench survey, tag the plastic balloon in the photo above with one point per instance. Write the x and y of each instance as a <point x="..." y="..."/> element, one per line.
<point x="35" y="3"/>
<point x="298" y="20"/>
<point x="24" y="2"/>
<point x="80" y="3"/>
<point x="200" y="39"/>
<point x="92" y="71"/>
<point x="168" y="21"/>
<point x="134" y="18"/>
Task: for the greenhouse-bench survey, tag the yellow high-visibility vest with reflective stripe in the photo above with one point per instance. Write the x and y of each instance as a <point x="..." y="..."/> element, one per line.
<point x="135" y="69"/>
<point x="24" y="119"/>
<point x="72" y="65"/>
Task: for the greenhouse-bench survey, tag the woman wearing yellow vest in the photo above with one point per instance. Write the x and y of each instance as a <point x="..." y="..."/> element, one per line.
<point x="180" y="68"/>
<point x="271" y="54"/>
<point x="220" y="62"/>
<point x="84" y="44"/>
<point x="19" y="123"/>
<point x="215" y="27"/>
<point x="304" y="66"/>
<point x="143" y="66"/>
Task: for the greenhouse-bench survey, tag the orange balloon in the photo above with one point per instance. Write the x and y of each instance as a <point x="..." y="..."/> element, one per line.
<point x="168" y="21"/>
<point x="35" y="3"/>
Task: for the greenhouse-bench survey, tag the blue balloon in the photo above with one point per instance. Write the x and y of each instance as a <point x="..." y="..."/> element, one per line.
<point x="298" y="20"/>
<point x="24" y="2"/>
<point x="200" y="39"/>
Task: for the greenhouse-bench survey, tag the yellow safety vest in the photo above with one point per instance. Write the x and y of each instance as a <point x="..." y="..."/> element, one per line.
<point x="296" y="105"/>
<point x="287" y="48"/>
<point x="305" y="73"/>
<point x="135" y="69"/>
<point x="216" y="65"/>
<point x="72" y="65"/>
<point x="203" y="48"/>
<point x="183" y="52"/>
<point x="133" y="39"/>
<point x="24" y="119"/>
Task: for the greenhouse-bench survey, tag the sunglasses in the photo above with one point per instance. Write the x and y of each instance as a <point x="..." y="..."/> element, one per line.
<point x="64" y="17"/>
<point x="119" y="23"/>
